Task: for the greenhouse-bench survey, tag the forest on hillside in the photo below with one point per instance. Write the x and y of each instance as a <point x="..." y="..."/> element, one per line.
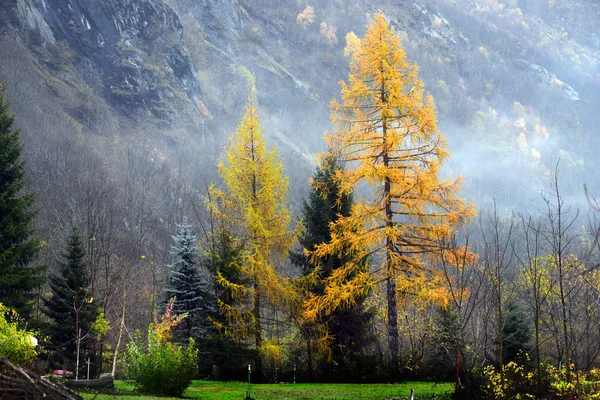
<point x="386" y="265"/>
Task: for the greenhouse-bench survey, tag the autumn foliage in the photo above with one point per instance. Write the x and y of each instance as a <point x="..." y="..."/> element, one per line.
<point x="386" y="134"/>
<point x="253" y="204"/>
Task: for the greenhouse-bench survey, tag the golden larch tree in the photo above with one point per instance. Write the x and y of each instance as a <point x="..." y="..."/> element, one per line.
<point x="386" y="134"/>
<point x="253" y="204"/>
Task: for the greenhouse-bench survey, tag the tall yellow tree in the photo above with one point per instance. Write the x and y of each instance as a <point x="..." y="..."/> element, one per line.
<point x="386" y="133"/>
<point x="253" y="204"/>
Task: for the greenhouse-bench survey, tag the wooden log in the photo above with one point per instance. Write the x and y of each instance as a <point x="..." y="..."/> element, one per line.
<point x="106" y="382"/>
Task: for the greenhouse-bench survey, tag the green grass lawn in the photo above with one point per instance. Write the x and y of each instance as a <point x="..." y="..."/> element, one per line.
<point x="211" y="390"/>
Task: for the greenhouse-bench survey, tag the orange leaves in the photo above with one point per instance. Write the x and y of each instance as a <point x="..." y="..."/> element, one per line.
<point x="386" y="133"/>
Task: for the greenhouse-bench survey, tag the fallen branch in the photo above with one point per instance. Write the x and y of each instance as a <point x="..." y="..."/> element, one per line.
<point x="18" y="383"/>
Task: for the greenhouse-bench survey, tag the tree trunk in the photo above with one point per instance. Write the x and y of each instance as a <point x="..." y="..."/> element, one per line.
<point x="392" y="309"/>
<point x="500" y="333"/>
<point x="537" y="346"/>
<point x="77" y="336"/>
<point x="257" y="331"/>
<point x="392" y="325"/>
<point x="114" y="365"/>
<point x="309" y="356"/>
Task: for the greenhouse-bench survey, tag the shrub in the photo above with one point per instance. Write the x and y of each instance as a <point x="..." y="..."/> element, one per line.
<point x="161" y="367"/>
<point x="521" y="382"/>
<point x="17" y="345"/>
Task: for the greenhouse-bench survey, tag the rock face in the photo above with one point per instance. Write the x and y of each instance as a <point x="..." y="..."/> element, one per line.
<point x="134" y="46"/>
<point x="222" y="20"/>
<point x="550" y="79"/>
<point x="188" y="66"/>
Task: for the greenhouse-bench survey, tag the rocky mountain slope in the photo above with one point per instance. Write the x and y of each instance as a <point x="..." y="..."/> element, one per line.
<point x="516" y="82"/>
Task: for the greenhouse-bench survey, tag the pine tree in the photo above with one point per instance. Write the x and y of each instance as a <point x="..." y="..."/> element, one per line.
<point x="18" y="279"/>
<point x="223" y="258"/>
<point x="185" y="283"/>
<point x="224" y="347"/>
<point x="516" y="332"/>
<point x="448" y="341"/>
<point x="254" y="206"/>
<point x="71" y="307"/>
<point x="386" y="134"/>
<point x="347" y="325"/>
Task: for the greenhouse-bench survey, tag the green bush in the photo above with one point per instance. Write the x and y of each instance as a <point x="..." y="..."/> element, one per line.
<point x="17" y="345"/>
<point x="521" y="382"/>
<point x="161" y="367"/>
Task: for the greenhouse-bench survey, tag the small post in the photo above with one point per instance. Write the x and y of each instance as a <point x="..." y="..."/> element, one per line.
<point x="78" y="342"/>
<point x="412" y="394"/>
<point x="294" y="372"/>
<point x="88" y="374"/>
<point x="248" y="391"/>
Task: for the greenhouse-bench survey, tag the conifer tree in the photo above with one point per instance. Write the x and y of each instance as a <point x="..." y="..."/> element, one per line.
<point x="185" y="283"/>
<point x="348" y="325"/>
<point x="516" y="332"/>
<point x="386" y="134"/>
<point x="223" y="260"/>
<point x="225" y="347"/>
<point x="71" y="307"/>
<point x="253" y="204"/>
<point x="18" y="279"/>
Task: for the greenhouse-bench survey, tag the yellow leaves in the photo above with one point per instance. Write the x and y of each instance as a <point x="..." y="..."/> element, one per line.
<point x="307" y="16"/>
<point x="164" y="329"/>
<point x="236" y="291"/>
<point x="522" y="143"/>
<point x="271" y="352"/>
<point x="541" y="130"/>
<point x="253" y="207"/>
<point x="328" y="32"/>
<point x="342" y="288"/>
<point x="101" y="325"/>
<point x="352" y="44"/>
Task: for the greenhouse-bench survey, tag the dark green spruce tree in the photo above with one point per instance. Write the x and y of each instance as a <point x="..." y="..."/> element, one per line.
<point x="71" y="308"/>
<point x="350" y="327"/>
<point x="190" y="289"/>
<point x="448" y="340"/>
<point x="222" y="257"/>
<point x="19" y="280"/>
<point x="516" y="331"/>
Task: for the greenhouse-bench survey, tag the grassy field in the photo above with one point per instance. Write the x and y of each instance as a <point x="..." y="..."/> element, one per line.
<point x="210" y="390"/>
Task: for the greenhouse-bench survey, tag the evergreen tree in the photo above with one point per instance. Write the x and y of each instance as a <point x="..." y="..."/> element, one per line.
<point x="187" y="286"/>
<point x="71" y="307"/>
<point x="223" y="258"/>
<point x="18" y="279"/>
<point x="448" y="341"/>
<point x="348" y="324"/>
<point x="516" y="332"/>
